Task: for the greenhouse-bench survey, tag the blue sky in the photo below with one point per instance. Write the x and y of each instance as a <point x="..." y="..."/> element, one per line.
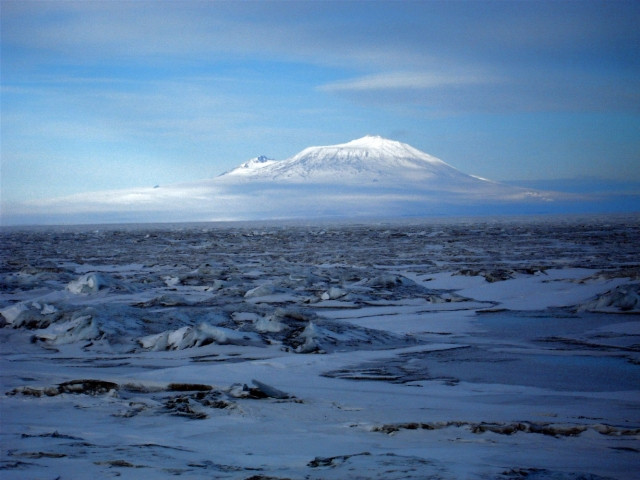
<point x="105" y="95"/>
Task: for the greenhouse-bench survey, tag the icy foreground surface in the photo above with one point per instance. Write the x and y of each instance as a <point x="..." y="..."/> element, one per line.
<point x="481" y="349"/>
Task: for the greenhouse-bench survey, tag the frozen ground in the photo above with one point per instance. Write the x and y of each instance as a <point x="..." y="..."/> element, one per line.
<point x="451" y="349"/>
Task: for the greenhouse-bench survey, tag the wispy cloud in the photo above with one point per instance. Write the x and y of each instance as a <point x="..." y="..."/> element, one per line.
<point x="405" y="80"/>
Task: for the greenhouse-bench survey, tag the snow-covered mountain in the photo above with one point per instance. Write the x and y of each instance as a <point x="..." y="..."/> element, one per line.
<point x="370" y="176"/>
<point x="374" y="162"/>
<point x="365" y="160"/>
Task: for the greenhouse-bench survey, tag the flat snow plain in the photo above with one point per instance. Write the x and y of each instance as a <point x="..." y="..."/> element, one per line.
<point x="441" y="349"/>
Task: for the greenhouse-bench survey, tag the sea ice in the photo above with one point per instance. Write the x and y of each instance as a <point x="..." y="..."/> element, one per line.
<point x="467" y="348"/>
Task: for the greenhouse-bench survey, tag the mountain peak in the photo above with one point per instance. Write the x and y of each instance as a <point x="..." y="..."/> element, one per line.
<point x="372" y="152"/>
<point x="250" y="166"/>
<point x="371" y="141"/>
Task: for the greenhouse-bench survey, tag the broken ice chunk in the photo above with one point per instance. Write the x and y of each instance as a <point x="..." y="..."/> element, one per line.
<point x="188" y="337"/>
<point x="260" y="291"/>
<point x="78" y="329"/>
<point x="309" y="334"/>
<point x="171" y="281"/>
<point x="270" y="391"/>
<point x="29" y="314"/>
<point x="269" y="324"/>
<point x="90" y="283"/>
<point x="624" y="298"/>
<point x="333" y="293"/>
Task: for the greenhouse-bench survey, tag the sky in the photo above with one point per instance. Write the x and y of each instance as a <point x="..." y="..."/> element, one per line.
<point x="99" y="95"/>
